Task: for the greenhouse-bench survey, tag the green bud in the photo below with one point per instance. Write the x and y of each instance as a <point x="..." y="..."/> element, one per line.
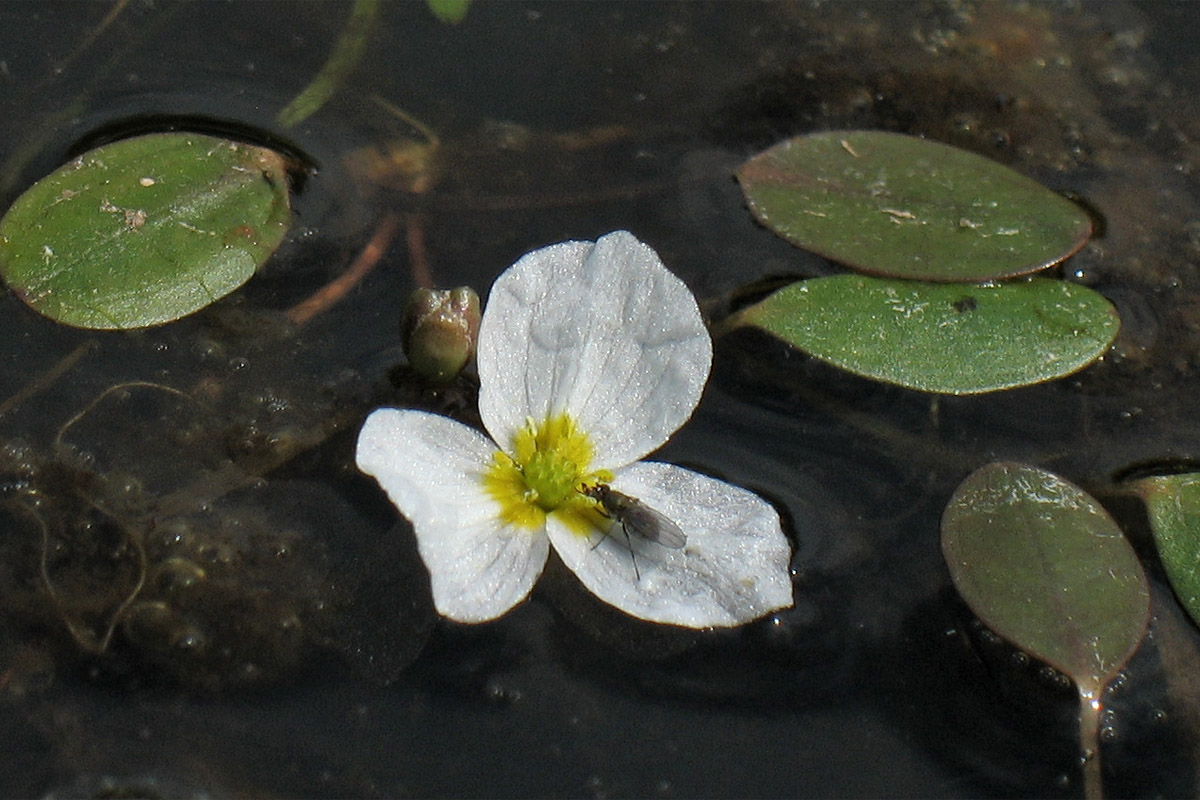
<point x="439" y="330"/>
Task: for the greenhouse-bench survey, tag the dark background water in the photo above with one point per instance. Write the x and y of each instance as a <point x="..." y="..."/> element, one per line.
<point x="307" y="661"/>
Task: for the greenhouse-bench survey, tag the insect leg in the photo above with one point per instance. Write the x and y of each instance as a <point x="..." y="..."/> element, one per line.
<point x="637" y="574"/>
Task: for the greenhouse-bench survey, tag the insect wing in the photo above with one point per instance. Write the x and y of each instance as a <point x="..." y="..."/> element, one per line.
<point x="642" y="520"/>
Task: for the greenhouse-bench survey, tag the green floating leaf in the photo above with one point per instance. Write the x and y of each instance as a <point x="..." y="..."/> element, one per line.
<point x="1173" y="502"/>
<point x="942" y="337"/>
<point x="145" y="230"/>
<point x="905" y="207"/>
<point x="1044" y="566"/>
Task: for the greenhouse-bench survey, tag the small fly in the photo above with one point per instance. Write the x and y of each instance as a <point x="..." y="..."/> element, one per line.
<point x="636" y="519"/>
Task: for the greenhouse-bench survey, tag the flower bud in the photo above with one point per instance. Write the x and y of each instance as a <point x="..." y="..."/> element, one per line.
<point x="439" y="330"/>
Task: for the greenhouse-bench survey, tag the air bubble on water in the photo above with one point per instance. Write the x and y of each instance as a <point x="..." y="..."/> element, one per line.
<point x="1053" y="677"/>
<point x="189" y="640"/>
<point x="175" y="533"/>
<point x="595" y="786"/>
<point x="248" y="672"/>
<point x="19" y="458"/>
<point x="498" y="692"/>
<point x="989" y="637"/>
<point x="290" y="624"/>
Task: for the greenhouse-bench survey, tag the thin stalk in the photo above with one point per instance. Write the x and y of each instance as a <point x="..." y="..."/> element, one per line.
<point x="346" y="54"/>
<point x="48" y="378"/>
<point x="1089" y="739"/>
<point x="339" y="287"/>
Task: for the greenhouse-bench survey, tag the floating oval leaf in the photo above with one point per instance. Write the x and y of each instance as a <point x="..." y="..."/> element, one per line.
<point x="905" y="207"/>
<point x="1043" y="565"/>
<point x="145" y="230"/>
<point x="1173" y="502"/>
<point x="942" y="337"/>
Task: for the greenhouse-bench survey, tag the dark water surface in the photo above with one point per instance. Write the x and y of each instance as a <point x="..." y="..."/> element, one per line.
<point x="201" y="597"/>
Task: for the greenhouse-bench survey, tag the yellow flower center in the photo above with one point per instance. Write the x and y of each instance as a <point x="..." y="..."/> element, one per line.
<point x="550" y="460"/>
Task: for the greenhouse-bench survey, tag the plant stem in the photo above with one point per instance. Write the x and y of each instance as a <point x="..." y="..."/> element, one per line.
<point x="48" y="378"/>
<point x="1089" y="739"/>
<point x="340" y="286"/>
<point x="347" y="52"/>
<point x="723" y="327"/>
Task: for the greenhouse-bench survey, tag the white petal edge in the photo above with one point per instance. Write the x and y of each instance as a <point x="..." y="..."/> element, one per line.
<point x="431" y="468"/>
<point x="601" y="331"/>
<point x="733" y="569"/>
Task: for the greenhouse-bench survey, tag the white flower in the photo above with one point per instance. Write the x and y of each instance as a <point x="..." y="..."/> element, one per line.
<point x="590" y="356"/>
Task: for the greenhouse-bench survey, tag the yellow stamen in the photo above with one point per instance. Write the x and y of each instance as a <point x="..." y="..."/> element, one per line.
<point x="549" y="462"/>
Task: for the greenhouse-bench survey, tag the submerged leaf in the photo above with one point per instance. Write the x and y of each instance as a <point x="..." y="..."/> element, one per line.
<point x="896" y="205"/>
<point x="144" y="230"/>
<point x="1044" y="566"/>
<point x="451" y="12"/>
<point x="942" y="337"/>
<point x="1173" y="502"/>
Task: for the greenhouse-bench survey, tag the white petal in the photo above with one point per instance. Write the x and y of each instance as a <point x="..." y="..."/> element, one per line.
<point x="734" y="567"/>
<point x="601" y="331"/>
<point x="430" y="467"/>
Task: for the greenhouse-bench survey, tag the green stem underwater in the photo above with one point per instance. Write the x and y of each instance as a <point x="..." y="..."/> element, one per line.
<point x="347" y="52"/>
